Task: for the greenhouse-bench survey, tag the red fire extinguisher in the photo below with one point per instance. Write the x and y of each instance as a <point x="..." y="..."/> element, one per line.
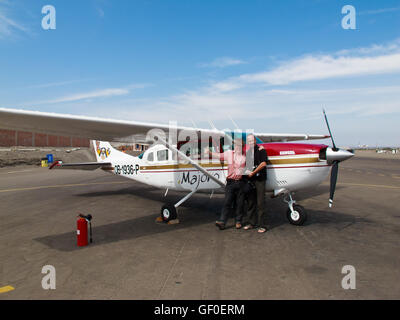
<point x="82" y="229"/>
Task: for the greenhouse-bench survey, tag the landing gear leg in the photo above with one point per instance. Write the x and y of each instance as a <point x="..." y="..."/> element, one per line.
<point x="296" y="214"/>
<point x="168" y="210"/>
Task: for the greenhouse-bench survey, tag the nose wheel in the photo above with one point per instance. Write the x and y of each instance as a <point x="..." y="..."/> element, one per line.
<point x="296" y="214"/>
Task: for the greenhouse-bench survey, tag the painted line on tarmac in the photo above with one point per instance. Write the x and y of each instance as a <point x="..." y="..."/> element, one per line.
<point x="61" y="186"/>
<point x="6" y="289"/>
<point x="20" y="171"/>
<point x="369" y="185"/>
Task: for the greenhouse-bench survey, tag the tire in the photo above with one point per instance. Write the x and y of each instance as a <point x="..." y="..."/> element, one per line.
<point x="168" y="212"/>
<point x="298" y="217"/>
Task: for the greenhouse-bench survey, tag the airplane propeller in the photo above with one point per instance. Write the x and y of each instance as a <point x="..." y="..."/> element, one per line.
<point x="329" y="129"/>
<point x="334" y="174"/>
<point x="336" y="155"/>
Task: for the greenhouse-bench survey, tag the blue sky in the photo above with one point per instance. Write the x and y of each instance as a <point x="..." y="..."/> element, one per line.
<point x="269" y="65"/>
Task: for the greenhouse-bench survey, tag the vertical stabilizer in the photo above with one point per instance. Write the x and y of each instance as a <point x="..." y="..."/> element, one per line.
<point x="104" y="151"/>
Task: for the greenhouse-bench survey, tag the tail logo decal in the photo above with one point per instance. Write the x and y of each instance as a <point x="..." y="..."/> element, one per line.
<point x="103" y="152"/>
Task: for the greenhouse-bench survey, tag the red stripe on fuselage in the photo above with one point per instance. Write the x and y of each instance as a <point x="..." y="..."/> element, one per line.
<point x="288" y="149"/>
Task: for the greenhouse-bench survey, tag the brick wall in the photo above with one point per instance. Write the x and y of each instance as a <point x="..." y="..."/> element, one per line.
<point x="10" y="138"/>
<point x="64" y="142"/>
<point x="24" y="138"/>
<point x="40" y="140"/>
<point x="7" y="138"/>
<point x="80" y="142"/>
<point x="52" y="140"/>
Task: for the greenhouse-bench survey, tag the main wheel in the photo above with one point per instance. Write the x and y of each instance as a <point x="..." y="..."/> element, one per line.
<point x="168" y="212"/>
<point x="298" y="216"/>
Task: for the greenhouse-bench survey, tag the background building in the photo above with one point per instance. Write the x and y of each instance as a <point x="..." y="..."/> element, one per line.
<point x="10" y="138"/>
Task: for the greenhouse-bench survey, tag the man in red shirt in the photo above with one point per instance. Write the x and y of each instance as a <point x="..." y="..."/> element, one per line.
<point x="234" y="183"/>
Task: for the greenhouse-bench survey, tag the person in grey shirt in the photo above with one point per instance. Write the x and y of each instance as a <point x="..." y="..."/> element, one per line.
<point x="257" y="158"/>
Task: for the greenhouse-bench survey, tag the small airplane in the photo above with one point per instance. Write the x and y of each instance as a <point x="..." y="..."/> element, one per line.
<point x="181" y="164"/>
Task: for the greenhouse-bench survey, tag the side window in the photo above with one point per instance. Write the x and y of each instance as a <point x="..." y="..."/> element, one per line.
<point x="150" y="157"/>
<point x="162" y="155"/>
<point x="173" y="155"/>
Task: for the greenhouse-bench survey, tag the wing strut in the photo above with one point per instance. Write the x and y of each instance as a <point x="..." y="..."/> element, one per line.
<point x="193" y="163"/>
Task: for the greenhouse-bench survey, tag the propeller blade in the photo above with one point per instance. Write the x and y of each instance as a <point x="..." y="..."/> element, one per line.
<point x="334" y="174"/>
<point x="329" y="129"/>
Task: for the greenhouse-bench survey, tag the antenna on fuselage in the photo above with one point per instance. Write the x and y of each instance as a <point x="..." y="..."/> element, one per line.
<point x="212" y="125"/>
<point x="194" y="124"/>
<point x="234" y="123"/>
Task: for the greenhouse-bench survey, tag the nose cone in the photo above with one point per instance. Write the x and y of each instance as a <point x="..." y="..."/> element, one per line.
<point x="338" y="155"/>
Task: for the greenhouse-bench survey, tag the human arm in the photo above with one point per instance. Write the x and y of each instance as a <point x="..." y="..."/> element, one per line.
<point x="262" y="165"/>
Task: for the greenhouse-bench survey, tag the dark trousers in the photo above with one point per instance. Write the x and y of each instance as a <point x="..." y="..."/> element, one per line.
<point x="233" y="193"/>
<point x="255" y="209"/>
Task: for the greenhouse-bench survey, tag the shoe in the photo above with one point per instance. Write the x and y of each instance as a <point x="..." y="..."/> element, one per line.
<point x="261" y="230"/>
<point x="220" y="225"/>
<point x="248" y="227"/>
<point x="238" y="225"/>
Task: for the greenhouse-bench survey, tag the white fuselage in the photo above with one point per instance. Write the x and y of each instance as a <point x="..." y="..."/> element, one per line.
<point x="156" y="168"/>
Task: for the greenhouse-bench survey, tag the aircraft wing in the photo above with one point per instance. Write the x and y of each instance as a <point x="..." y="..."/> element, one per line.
<point x="108" y="129"/>
<point x="277" y="137"/>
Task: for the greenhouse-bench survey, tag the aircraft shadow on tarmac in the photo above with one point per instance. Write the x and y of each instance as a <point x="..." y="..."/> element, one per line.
<point x="198" y="210"/>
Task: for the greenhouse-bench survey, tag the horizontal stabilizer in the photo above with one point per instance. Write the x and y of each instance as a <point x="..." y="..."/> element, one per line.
<point x="82" y="165"/>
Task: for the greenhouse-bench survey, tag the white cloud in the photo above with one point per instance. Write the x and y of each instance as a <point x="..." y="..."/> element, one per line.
<point x="8" y="25"/>
<point x="55" y="84"/>
<point x="345" y="63"/>
<point x="326" y="67"/>
<point x="375" y="49"/>
<point x="274" y="107"/>
<point x="223" y="62"/>
<point x="223" y="86"/>
<point x="96" y="94"/>
<point x="356" y="114"/>
<point x="378" y="11"/>
<point x="285" y="98"/>
<point x="86" y="95"/>
<point x="259" y="104"/>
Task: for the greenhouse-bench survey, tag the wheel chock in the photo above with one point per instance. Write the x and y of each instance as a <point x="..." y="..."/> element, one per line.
<point x="159" y="219"/>
<point x="175" y="221"/>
